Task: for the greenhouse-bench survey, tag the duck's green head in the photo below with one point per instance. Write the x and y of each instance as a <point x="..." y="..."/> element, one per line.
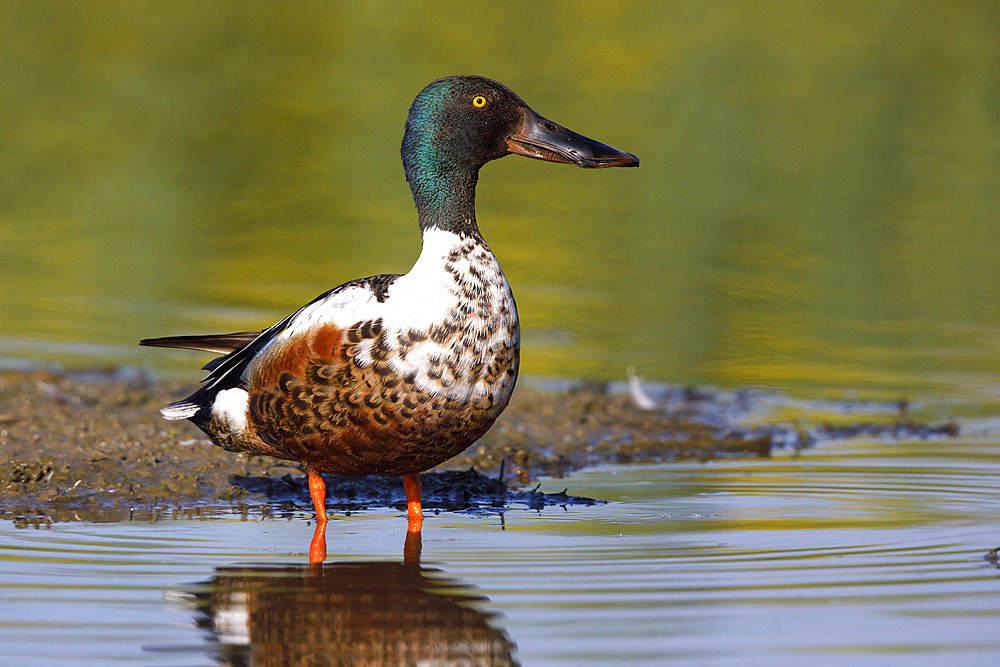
<point x="459" y="123"/>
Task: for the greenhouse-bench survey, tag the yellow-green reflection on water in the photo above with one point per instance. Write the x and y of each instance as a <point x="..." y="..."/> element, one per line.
<point x="816" y="208"/>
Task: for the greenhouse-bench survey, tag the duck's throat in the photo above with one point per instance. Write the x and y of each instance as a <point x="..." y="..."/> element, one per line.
<point x="446" y="202"/>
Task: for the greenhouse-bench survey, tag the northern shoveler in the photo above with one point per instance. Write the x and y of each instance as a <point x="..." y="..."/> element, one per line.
<point x="394" y="374"/>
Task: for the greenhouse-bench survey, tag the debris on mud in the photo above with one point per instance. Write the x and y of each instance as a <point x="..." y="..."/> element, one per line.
<point x="449" y="490"/>
<point x="92" y="445"/>
<point x="903" y="428"/>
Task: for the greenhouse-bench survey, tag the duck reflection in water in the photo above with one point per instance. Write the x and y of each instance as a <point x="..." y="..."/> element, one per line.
<point x="348" y="613"/>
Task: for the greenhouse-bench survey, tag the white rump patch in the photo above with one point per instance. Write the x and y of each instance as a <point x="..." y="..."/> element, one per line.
<point x="230" y="407"/>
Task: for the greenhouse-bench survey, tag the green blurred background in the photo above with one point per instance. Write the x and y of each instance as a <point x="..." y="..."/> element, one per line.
<point x="816" y="210"/>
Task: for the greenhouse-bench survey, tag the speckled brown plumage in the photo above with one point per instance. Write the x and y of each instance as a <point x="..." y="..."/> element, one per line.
<point x="313" y="400"/>
<point x="378" y="398"/>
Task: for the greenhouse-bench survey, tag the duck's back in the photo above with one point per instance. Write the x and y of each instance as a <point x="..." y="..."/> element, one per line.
<point x="389" y="375"/>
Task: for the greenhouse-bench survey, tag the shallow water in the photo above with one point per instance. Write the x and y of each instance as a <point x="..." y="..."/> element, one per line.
<point x="863" y="551"/>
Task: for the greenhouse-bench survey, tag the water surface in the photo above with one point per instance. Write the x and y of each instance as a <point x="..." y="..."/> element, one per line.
<point x="863" y="551"/>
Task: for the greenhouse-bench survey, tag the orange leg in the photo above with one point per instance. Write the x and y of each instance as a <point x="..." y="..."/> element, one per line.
<point x="317" y="491"/>
<point x="415" y="515"/>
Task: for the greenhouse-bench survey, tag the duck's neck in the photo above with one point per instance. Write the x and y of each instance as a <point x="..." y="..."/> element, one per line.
<point x="443" y="182"/>
<point x="446" y="202"/>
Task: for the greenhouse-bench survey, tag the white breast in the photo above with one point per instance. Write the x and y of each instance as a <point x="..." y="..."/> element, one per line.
<point x="457" y="284"/>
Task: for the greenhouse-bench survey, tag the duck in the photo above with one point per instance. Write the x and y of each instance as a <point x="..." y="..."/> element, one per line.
<point x="394" y="374"/>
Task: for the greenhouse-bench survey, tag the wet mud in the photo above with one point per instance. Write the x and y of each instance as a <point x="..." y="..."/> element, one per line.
<point x="92" y="445"/>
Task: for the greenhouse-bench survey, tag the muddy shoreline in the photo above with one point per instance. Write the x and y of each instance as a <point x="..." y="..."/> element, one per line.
<point x="91" y="445"/>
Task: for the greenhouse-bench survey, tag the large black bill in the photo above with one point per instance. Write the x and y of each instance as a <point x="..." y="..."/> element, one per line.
<point x="542" y="139"/>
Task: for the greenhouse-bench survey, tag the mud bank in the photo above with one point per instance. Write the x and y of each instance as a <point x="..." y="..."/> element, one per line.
<point x="93" y="446"/>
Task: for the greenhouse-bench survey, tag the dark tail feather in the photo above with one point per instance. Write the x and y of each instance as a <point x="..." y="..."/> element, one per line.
<point x="215" y="343"/>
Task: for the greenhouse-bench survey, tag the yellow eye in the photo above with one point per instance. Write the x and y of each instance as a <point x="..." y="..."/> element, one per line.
<point x="479" y="101"/>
